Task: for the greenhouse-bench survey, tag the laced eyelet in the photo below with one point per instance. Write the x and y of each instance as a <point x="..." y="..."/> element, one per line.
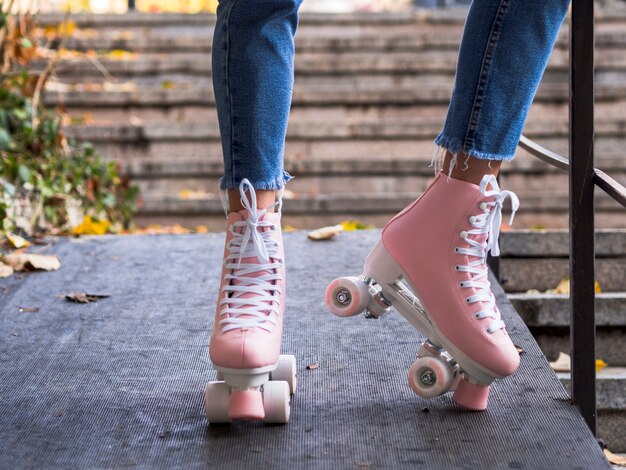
<point x="477" y="316"/>
<point x="461" y="284"/>
<point x="472" y="219"/>
<point x="456" y="250"/>
<point x="482" y="205"/>
<point x="467" y="300"/>
<point x="456" y="268"/>
<point x="463" y="234"/>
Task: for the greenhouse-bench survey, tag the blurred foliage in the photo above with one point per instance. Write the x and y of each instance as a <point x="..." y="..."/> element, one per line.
<point x="47" y="182"/>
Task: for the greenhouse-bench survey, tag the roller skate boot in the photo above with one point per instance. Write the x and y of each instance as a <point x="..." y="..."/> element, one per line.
<point x="253" y="380"/>
<point x="430" y="264"/>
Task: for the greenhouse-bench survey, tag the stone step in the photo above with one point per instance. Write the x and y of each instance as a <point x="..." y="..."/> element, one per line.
<point x="136" y="31"/>
<point x="180" y="66"/>
<point x="305" y="129"/>
<point x="555" y="243"/>
<point x="547" y="316"/>
<point x="363" y="183"/>
<point x="340" y="90"/>
<point x="611" y="403"/>
<point x="328" y="209"/>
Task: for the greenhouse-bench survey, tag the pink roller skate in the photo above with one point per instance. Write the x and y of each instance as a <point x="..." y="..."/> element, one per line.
<point x="254" y="380"/>
<point x="431" y="265"/>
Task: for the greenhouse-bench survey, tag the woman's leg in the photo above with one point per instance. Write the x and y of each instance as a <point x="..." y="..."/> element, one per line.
<point x="253" y="49"/>
<point x="504" y="52"/>
<point x="440" y="243"/>
<point x="253" y="52"/>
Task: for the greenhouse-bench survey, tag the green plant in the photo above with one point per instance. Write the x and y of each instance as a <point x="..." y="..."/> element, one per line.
<point x="47" y="182"/>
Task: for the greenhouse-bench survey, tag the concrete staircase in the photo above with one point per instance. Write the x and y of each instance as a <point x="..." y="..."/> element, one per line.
<point x="538" y="260"/>
<point x="371" y="93"/>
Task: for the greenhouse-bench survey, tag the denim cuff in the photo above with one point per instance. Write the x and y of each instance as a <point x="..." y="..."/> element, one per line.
<point x="455" y="146"/>
<point x="258" y="184"/>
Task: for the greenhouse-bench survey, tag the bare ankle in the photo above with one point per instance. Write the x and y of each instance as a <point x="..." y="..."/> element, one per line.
<point x="470" y="169"/>
<point x="264" y="199"/>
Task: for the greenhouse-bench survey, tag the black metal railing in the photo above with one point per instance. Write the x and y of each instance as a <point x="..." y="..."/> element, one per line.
<point x="583" y="177"/>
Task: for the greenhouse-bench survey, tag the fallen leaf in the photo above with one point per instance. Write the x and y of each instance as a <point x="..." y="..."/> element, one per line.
<point x="5" y="270"/>
<point x="313" y="366"/>
<point x="289" y="228"/>
<point x="520" y="350"/>
<point x="562" y="287"/>
<point x="28" y="309"/>
<point x="562" y="364"/>
<point x="32" y="262"/>
<point x="92" y="226"/>
<point x="597" y="288"/>
<point x="325" y="233"/>
<point x="201" y="229"/>
<point x="350" y="225"/>
<point x="614" y="459"/>
<point x="600" y="364"/>
<point x="17" y="241"/>
<point x="83" y="297"/>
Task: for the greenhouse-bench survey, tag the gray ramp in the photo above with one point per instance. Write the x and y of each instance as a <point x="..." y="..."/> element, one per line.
<point x="119" y="383"/>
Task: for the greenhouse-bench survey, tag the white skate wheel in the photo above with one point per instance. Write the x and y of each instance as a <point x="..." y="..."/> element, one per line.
<point x="286" y="371"/>
<point x="431" y="376"/>
<point x="216" y="398"/>
<point x="347" y="296"/>
<point x="276" y="402"/>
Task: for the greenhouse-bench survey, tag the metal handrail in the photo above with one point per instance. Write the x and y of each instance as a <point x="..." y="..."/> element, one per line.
<point x="601" y="179"/>
<point x="583" y="177"/>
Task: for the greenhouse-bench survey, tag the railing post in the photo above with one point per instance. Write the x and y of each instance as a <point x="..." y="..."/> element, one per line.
<point x="131" y="5"/>
<point x="581" y="210"/>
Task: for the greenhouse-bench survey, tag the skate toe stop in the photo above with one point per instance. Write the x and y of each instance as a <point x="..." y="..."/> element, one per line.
<point x="471" y="396"/>
<point x="246" y="404"/>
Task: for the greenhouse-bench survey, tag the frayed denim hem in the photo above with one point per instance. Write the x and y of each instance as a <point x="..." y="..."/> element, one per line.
<point x="276" y="184"/>
<point x="455" y="146"/>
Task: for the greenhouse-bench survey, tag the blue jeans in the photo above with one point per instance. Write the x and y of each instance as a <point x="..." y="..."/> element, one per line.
<point x="503" y="54"/>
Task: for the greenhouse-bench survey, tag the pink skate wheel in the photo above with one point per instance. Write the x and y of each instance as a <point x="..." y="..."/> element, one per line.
<point x="430" y="376"/>
<point x="347" y="296"/>
<point x="471" y="396"/>
<point x="246" y="404"/>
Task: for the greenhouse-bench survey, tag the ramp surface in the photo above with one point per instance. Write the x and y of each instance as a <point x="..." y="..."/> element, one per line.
<point x="118" y="383"/>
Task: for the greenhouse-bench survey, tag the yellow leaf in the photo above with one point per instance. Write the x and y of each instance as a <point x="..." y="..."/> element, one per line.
<point x="563" y="287"/>
<point x="600" y="364"/>
<point x="92" y="226"/>
<point x="201" y="229"/>
<point x="289" y="228"/>
<point x="350" y="225"/>
<point x="597" y="287"/>
<point x="17" y="241"/>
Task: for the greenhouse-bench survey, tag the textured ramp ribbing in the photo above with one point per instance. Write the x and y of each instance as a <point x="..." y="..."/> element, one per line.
<point x="119" y="383"/>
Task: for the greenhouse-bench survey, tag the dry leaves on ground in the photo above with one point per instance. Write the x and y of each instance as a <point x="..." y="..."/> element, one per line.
<point x="32" y="262"/>
<point x="563" y="363"/>
<point x="84" y="298"/>
<point x="5" y="270"/>
<point x="325" y="233"/>
<point x="28" y="309"/>
<point x="92" y="226"/>
<point x="614" y="459"/>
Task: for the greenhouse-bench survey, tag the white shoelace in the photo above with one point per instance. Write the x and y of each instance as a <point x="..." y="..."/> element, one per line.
<point x="488" y="222"/>
<point x="261" y="310"/>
